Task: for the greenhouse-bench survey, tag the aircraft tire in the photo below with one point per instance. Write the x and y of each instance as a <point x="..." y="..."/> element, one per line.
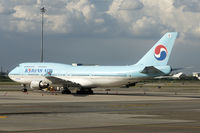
<point x="66" y="91"/>
<point x="83" y="91"/>
<point x="90" y="91"/>
<point x="24" y="90"/>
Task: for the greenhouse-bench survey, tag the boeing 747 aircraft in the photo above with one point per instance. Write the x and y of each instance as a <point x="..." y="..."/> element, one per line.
<point x="41" y="75"/>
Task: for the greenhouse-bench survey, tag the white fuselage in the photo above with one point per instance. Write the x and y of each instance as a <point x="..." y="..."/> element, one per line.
<point x="85" y="76"/>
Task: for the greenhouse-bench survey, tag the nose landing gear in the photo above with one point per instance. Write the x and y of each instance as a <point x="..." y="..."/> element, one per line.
<point x="24" y="88"/>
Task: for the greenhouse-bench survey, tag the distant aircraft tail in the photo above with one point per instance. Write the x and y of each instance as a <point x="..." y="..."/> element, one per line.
<point x="159" y="54"/>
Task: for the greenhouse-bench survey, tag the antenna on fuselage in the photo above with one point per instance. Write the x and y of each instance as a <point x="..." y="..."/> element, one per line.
<point x="43" y="10"/>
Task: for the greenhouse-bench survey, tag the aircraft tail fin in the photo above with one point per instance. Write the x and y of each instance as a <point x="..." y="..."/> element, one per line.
<point x="159" y="54"/>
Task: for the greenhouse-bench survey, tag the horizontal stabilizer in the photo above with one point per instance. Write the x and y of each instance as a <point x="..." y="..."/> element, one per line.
<point x="151" y="70"/>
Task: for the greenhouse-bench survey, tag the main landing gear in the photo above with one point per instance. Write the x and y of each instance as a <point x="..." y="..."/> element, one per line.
<point x="85" y="91"/>
<point x="66" y="91"/>
<point x="79" y="91"/>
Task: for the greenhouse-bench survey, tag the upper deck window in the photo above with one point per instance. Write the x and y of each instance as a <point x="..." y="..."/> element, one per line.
<point x="28" y="66"/>
<point x="43" y="66"/>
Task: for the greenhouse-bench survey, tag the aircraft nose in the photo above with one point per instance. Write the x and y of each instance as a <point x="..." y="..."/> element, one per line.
<point x="12" y="73"/>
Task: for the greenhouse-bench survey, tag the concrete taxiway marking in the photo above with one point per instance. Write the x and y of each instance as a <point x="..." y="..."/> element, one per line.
<point x="3" y="117"/>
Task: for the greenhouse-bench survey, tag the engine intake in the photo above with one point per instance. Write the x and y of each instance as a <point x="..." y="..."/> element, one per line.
<point x="39" y="85"/>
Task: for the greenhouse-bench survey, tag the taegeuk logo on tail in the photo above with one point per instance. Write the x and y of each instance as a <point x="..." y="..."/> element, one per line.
<point x="160" y="52"/>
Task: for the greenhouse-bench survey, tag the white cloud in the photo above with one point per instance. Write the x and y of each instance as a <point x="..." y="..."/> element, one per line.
<point x="5" y="11"/>
<point x="25" y="2"/>
<point x="131" y="5"/>
<point x="29" y="13"/>
<point x="82" y="7"/>
<point x="61" y="17"/>
<point x="157" y="16"/>
<point x="123" y="17"/>
<point x="147" y="26"/>
<point x="58" y="24"/>
<point x="124" y="10"/>
<point x="188" y="5"/>
<point x="99" y="20"/>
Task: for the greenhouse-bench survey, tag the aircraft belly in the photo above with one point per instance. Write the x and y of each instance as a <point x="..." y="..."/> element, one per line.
<point x="98" y="81"/>
<point x="84" y="81"/>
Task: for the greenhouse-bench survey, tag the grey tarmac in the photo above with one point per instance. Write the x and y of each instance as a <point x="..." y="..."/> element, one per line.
<point x="36" y="112"/>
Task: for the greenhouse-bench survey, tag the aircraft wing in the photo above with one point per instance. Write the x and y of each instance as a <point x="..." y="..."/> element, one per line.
<point x="56" y="80"/>
<point x="164" y="77"/>
<point x="151" y="70"/>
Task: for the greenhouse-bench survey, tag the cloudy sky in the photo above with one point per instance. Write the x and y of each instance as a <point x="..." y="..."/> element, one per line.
<point x="104" y="32"/>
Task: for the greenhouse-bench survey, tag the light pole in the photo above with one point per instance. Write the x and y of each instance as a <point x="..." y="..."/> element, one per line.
<point x="43" y="10"/>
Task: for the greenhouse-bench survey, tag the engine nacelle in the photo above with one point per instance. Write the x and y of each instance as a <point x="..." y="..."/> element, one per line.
<point x="39" y="85"/>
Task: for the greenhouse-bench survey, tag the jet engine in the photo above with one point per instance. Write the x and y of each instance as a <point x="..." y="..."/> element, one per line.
<point x="39" y="85"/>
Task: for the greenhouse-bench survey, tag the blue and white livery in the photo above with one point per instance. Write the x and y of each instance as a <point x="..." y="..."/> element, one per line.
<point x="152" y="64"/>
